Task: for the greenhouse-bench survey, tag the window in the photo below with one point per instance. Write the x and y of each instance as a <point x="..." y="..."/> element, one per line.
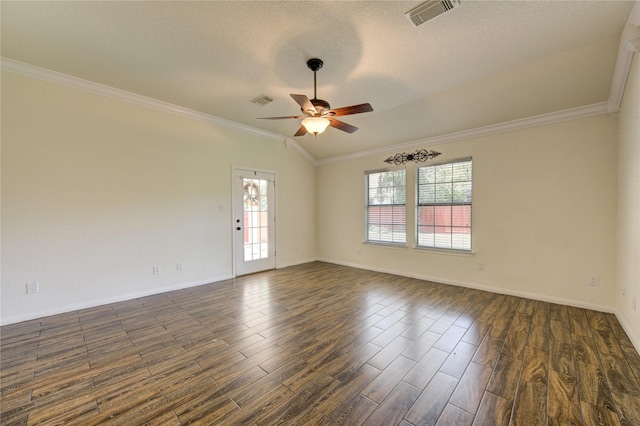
<point x="444" y="206"/>
<point x="386" y="207"/>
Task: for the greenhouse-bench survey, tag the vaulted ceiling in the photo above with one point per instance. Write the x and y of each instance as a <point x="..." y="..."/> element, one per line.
<point x="482" y="63"/>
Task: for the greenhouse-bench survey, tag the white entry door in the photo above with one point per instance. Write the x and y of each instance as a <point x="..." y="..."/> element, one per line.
<point x="254" y="221"/>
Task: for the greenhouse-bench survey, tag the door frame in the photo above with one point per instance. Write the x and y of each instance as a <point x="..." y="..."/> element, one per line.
<point x="235" y="214"/>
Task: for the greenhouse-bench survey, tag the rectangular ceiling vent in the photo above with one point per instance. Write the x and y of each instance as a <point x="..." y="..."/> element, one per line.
<point x="262" y="100"/>
<point x="429" y="10"/>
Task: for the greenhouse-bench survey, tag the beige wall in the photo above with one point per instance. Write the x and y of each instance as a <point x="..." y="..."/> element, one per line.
<point x="544" y="214"/>
<point x="629" y="206"/>
<point x="95" y="191"/>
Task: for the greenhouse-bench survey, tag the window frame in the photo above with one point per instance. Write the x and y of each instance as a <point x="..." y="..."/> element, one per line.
<point x="391" y="242"/>
<point x="418" y="205"/>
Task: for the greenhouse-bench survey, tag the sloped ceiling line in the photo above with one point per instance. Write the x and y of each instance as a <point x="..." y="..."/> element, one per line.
<point x="630" y="43"/>
<point x="44" y="74"/>
<point x="508" y="126"/>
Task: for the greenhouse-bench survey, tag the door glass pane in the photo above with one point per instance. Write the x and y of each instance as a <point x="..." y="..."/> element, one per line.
<point x="256" y="224"/>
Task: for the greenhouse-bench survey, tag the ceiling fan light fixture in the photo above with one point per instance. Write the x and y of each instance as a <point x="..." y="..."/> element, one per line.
<point x="315" y="125"/>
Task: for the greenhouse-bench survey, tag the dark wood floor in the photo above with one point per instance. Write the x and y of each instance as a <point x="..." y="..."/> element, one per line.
<point x="321" y="344"/>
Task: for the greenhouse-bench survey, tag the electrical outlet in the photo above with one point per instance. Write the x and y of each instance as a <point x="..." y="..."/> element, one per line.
<point x="624" y="291"/>
<point x="179" y="267"/>
<point x="156" y="269"/>
<point x="33" y="287"/>
<point x="594" y="280"/>
<point x="480" y="266"/>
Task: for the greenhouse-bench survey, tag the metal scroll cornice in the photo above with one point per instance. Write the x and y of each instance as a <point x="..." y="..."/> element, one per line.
<point x="419" y="156"/>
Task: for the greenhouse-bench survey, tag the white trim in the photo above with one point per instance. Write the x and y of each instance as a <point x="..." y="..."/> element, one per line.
<point x="288" y="143"/>
<point x="295" y="263"/>
<point x="50" y="76"/>
<point x="445" y="251"/>
<point x="21" y="68"/>
<point x="634" y="16"/>
<point x="499" y="290"/>
<point x="507" y="126"/>
<point x="627" y="328"/>
<point x="386" y="245"/>
<point x="109" y="300"/>
<point x="629" y="44"/>
<point x="237" y="211"/>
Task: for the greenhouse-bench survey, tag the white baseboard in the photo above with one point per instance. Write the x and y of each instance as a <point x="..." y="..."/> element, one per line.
<point x="499" y="290"/>
<point x="106" y="301"/>
<point x="627" y="328"/>
<point x="130" y="296"/>
<point x="297" y="262"/>
<point x="536" y="296"/>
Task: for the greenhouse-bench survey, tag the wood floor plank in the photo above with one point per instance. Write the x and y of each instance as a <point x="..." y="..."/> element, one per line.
<point x="471" y="387"/>
<point x="628" y="408"/>
<point x="540" y="325"/>
<point x="530" y="405"/>
<point x="390" y="352"/>
<point x="354" y="412"/>
<point x="421" y="345"/>
<point x="504" y="379"/>
<point x="620" y="376"/>
<point x="255" y="410"/>
<point x="595" y="395"/>
<point x="584" y="349"/>
<point x="426" y="368"/>
<point x="430" y="404"/>
<point x="452" y="415"/>
<point x="459" y="359"/>
<point x="494" y="410"/>
<point x="563" y="401"/>
<point x="393" y="409"/>
<point x="301" y="402"/>
<point x="348" y="389"/>
<point x="559" y="331"/>
<point x="321" y="344"/>
<point x="598" y="415"/>
<point x="517" y="336"/>
<point x="388" y="379"/>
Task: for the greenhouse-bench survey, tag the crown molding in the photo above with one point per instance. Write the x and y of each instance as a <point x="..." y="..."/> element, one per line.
<point x="507" y="126"/>
<point x="289" y="143"/>
<point x="629" y="45"/>
<point x="27" y="70"/>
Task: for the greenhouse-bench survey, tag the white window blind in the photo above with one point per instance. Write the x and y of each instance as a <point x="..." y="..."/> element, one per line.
<point x="444" y="205"/>
<point x="386" y="207"/>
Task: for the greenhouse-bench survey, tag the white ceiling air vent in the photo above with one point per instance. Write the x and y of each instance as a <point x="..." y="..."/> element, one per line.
<point x="262" y="100"/>
<point x="429" y="10"/>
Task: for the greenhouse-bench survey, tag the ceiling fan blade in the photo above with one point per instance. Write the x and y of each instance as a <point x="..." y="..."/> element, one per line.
<point x="341" y="125"/>
<point x="353" y="109"/>
<point x="305" y="103"/>
<point x="280" y="118"/>
<point x="301" y="131"/>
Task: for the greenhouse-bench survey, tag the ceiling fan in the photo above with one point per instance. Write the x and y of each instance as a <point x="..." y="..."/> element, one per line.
<point x="318" y="112"/>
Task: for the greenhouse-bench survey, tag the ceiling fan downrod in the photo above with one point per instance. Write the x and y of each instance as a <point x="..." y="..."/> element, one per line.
<point x="314" y="64"/>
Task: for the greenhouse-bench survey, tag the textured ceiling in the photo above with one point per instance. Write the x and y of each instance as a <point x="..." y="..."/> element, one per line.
<point x="485" y="62"/>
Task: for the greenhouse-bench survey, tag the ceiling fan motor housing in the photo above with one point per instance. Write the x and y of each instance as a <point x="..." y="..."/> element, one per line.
<point x="321" y="105"/>
<point x="318" y="112"/>
<point x="315" y="64"/>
